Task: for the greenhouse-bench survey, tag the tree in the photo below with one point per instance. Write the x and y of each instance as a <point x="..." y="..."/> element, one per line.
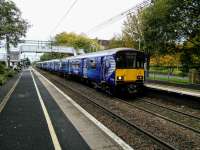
<point x="168" y="27"/>
<point x="12" y="26"/>
<point x="131" y="31"/>
<point x="71" y="40"/>
<point x="76" y="41"/>
<point x="157" y="27"/>
<point x="186" y="18"/>
<point x="169" y="61"/>
<point x="116" y="42"/>
<point x="170" y="22"/>
<point x="190" y="56"/>
<point x="187" y="15"/>
<point x="49" y="56"/>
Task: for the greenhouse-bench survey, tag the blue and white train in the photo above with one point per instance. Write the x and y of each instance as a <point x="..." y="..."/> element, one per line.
<point x="119" y="69"/>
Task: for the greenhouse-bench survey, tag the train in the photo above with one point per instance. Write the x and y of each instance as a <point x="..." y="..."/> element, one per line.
<point x="115" y="70"/>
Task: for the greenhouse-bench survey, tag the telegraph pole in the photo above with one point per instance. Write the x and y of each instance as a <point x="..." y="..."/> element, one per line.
<point x="8" y="50"/>
<point x="139" y="39"/>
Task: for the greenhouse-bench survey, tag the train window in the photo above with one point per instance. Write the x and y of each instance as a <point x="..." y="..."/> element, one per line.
<point x="140" y="64"/>
<point x="120" y="61"/>
<point x="64" y="64"/>
<point x="140" y="61"/>
<point x="73" y="64"/>
<point x="77" y="65"/>
<point x="130" y="60"/>
<point x="85" y="64"/>
<point x="126" y="61"/>
<point x="92" y="64"/>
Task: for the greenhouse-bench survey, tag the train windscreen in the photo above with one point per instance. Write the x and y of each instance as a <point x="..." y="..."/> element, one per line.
<point x="129" y="60"/>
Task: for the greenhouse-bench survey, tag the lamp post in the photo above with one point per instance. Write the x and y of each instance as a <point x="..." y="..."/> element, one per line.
<point x="8" y="51"/>
<point x="139" y="40"/>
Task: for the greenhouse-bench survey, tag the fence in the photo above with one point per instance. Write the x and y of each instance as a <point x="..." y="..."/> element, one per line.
<point x="174" y="75"/>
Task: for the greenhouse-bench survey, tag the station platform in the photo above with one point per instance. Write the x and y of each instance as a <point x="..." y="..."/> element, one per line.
<point x="174" y="89"/>
<point x="6" y="87"/>
<point x="35" y="114"/>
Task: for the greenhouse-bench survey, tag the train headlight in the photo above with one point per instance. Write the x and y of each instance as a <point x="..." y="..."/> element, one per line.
<point x="120" y="78"/>
<point x="140" y="77"/>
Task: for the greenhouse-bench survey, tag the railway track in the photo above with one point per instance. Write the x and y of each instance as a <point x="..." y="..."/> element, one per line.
<point x="119" y="118"/>
<point x="147" y="109"/>
<point x="149" y="101"/>
<point x="90" y="97"/>
<point x="164" y="117"/>
<point x="186" y="120"/>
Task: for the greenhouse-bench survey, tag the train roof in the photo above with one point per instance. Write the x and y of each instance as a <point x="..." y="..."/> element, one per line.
<point x="100" y="53"/>
<point x="95" y="54"/>
<point x="52" y="60"/>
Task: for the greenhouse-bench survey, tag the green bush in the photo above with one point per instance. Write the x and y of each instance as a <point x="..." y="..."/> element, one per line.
<point x="165" y="71"/>
<point x="5" y="73"/>
<point x="2" y="79"/>
<point x="10" y="73"/>
<point x="2" y="68"/>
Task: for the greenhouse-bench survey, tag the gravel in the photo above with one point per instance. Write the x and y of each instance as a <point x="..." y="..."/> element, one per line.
<point x="180" y="137"/>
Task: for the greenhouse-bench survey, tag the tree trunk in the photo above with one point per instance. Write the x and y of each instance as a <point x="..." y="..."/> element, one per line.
<point x="147" y="64"/>
<point x="8" y="50"/>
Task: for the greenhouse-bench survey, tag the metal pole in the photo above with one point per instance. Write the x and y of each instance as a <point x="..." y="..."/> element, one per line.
<point x="8" y="51"/>
<point x="139" y="43"/>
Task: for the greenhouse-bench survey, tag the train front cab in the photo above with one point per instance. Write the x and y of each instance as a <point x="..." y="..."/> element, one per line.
<point x="129" y="73"/>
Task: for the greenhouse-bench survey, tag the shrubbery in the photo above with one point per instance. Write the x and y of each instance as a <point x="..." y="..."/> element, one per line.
<point x="10" y="73"/>
<point x="2" y="79"/>
<point x="2" y="68"/>
<point x="5" y="73"/>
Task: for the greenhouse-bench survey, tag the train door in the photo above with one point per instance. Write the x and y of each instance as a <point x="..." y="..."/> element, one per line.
<point x="70" y="66"/>
<point x="103" y="68"/>
<point x="108" y="67"/>
<point x="84" y="68"/>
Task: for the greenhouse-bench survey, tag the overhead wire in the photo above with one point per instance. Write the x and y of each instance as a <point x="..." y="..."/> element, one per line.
<point x="119" y="16"/>
<point x="64" y="16"/>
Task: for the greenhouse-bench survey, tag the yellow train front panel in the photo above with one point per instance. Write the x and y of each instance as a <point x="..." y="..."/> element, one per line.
<point x="129" y="75"/>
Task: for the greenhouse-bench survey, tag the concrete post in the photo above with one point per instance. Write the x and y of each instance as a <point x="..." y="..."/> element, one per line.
<point x="8" y="51"/>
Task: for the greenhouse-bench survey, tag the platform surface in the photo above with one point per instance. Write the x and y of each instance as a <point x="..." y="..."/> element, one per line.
<point x="174" y="89"/>
<point x="24" y="125"/>
<point x="4" y="89"/>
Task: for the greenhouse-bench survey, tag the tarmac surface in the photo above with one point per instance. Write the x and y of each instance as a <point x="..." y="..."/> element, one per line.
<point x="35" y="114"/>
<point x="23" y="124"/>
<point x="6" y="87"/>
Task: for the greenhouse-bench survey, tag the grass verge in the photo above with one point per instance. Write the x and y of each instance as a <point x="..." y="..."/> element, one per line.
<point x="171" y="80"/>
<point x="9" y="73"/>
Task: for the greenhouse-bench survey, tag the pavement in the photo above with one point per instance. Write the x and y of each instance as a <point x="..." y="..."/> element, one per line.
<point x="174" y="89"/>
<point x="22" y="122"/>
<point x="37" y="115"/>
<point x="6" y="87"/>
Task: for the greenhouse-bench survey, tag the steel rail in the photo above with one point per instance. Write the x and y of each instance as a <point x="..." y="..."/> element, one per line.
<point x="156" y="139"/>
<point x="174" y="110"/>
<point x="160" y="116"/>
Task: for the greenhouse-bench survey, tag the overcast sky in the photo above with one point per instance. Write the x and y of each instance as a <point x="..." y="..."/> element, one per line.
<point x="43" y="15"/>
